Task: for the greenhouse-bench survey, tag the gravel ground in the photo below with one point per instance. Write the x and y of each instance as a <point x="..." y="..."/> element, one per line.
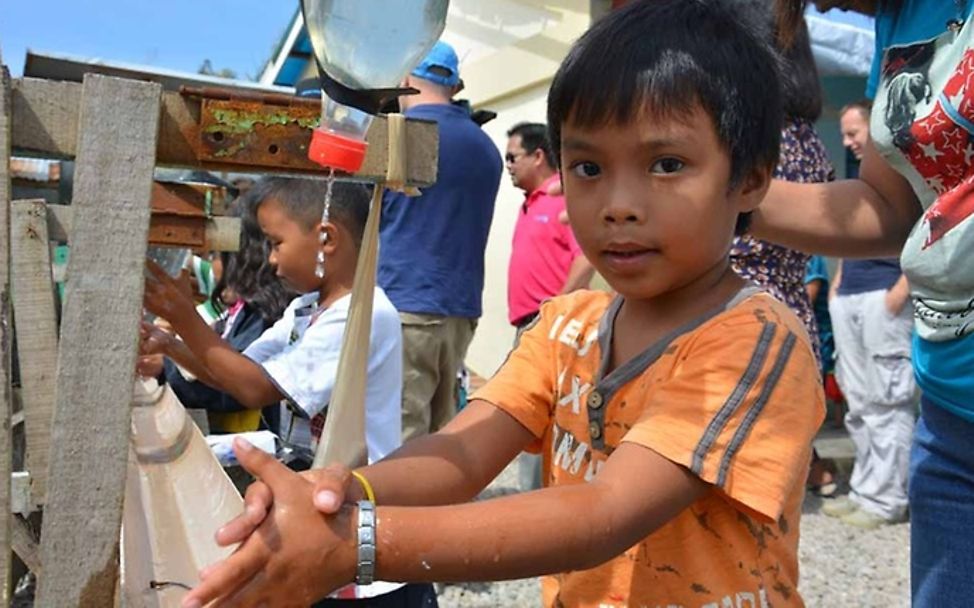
<point x="840" y="565"/>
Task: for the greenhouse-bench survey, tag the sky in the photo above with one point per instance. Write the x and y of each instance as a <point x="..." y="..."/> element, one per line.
<point x="239" y="35"/>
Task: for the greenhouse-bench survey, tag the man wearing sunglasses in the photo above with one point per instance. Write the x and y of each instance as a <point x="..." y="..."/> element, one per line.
<point x="545" y="258"/>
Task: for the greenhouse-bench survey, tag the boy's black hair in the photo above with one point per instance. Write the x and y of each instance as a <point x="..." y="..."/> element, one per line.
<point x="667" y="57"/>
<point x="303" y="199"/>
<point x="534" y="136"/>
<point x="247" y="271"/>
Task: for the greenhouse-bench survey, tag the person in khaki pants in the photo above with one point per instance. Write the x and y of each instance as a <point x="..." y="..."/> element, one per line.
<point x="431" y="258"/>
<point x="434" y="347"/>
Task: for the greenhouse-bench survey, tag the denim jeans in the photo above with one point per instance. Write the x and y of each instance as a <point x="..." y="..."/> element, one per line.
<point x="942" y="510"/>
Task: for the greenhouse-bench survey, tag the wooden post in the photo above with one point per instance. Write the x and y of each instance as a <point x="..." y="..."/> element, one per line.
<point x="24" y="544"/>
<point x="6" y="393"/>
<point x="35" y="321"/>
<point x="117" y="131"/>
<point x="47" y="119"/>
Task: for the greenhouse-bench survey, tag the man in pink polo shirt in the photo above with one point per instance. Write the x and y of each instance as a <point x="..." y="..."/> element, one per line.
<point x="545" y="258"/>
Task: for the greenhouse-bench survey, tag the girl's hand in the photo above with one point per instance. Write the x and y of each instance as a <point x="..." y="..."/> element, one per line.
<point x="154" y="340"/>
<point x="149" y="366"/>
<point x="165" y="297"/>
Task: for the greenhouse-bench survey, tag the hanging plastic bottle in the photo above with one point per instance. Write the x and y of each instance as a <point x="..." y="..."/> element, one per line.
<point x="364" y="49"/>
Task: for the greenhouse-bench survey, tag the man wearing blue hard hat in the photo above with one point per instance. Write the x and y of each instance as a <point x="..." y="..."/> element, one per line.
<point x="431" y="258"/>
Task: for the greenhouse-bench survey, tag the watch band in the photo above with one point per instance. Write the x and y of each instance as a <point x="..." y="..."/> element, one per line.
<point x="365" y="569"/>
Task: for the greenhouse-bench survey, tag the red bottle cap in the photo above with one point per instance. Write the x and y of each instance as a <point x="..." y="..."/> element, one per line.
<point x="337" y="151"/>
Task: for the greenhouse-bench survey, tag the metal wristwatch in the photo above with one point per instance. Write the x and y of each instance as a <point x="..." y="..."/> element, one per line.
<point x="365" y="569"/>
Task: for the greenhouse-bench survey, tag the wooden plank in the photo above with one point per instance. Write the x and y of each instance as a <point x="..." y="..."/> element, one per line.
<point x="20" y="502"/>
<point x="35" y="324"/>
<point x="222" y="233"/>
<point x="47" y="118"/>
<point x="6" y="335"/>
<point x="46" y="114"/>
<point x="24" y="544"/>
<point x="102" y="308"/>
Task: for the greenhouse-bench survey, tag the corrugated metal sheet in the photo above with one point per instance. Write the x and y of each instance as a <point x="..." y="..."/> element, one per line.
<point x="54" y="66"/>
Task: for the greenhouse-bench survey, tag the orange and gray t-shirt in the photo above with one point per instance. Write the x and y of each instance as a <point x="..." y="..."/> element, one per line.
<point x="734" y="397"/>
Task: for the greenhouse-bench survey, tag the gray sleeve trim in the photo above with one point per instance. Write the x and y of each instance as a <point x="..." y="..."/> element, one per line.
<point x="605" y="336"/>
<point x="606" y="385"/>
<point x="752" y="414"/>
<point x="719" y="421"/>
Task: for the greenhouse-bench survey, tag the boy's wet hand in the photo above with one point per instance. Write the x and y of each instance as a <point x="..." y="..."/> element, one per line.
<point x="331" y="487"/>
<point x="330" y="491"/>
<point x="295" y="557"/>
<point x="257" y="502"/>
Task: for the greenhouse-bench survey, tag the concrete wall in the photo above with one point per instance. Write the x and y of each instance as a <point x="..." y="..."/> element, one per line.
<point x="509" y="50"/>
<point x="495" y="335"/>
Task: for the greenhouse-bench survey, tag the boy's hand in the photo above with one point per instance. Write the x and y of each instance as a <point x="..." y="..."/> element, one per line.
<point x="293" y="545"/>
<point x="165" y="297"/>
<point x="331" y="490"/>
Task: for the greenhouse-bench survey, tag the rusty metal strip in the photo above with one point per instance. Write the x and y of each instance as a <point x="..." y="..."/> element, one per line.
<point x="277" y="99"/>
<point x="256" y="133"/>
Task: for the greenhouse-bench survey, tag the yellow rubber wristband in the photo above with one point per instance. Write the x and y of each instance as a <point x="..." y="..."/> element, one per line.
<point x="365" y="486"/>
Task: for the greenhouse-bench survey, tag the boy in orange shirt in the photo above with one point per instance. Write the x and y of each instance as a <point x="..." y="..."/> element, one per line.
<point x="675" y="419"/>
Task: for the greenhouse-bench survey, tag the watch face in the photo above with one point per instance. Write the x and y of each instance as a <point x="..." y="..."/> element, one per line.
<point x="365" y="569"/>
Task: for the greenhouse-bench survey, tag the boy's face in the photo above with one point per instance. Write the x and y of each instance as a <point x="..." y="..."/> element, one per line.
<point x="649" y="200"/>
<point x="293" y="247"/>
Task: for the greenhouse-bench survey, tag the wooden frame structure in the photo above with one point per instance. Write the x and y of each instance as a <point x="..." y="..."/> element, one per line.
<point x="76" y="376"/>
